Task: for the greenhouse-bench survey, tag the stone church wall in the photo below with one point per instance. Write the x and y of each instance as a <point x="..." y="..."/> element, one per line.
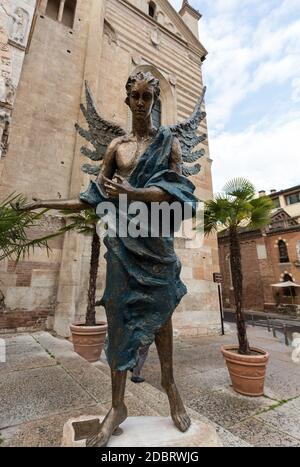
<point x="44" y="153"/>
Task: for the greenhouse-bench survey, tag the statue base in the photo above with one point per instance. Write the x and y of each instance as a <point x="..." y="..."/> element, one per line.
<point x="142" y="432"/>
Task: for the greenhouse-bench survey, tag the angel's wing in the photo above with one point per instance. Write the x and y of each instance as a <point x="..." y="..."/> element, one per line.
<point x="186" y="132"/>
<point x="100" y="133"/>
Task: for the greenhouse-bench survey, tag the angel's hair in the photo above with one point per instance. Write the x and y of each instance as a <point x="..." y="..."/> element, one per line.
<point x="142" y="76"/>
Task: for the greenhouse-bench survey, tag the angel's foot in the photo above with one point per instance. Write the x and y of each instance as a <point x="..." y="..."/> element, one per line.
<point x="178" y="412"/>
<point x="110" y="424"/>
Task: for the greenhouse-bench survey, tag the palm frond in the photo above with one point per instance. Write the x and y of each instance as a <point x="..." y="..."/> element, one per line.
<point x="216" y="214"/>
<point x="237" y="207"/>
<point x="240" y="188"/>
<point x="260" y="212"/>
<point x="14" y="227"/>
<point x="83" y="222"/>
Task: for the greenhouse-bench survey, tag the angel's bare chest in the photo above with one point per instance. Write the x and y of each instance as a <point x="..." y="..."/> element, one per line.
<point x="128" y="155"/>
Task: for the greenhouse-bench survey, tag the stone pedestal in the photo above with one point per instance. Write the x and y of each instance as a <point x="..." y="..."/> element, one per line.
<point x="142" y="432"/>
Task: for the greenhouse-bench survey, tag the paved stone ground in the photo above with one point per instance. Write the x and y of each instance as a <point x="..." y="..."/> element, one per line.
<point x="44" y="383"/>
<point x="272" y="420"/>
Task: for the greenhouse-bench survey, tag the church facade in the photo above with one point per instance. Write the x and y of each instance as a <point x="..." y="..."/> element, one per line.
<point x="49" y="48"/>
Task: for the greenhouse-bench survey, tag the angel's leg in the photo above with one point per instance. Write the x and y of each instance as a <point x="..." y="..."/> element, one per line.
<point x="164" y="344"/>
<point x="117" y="413"/>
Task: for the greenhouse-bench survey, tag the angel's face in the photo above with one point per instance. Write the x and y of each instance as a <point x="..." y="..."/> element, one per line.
<point x="141" y="100"/>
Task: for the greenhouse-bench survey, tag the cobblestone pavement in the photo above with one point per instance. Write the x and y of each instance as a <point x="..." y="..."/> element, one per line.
<point x="272" y="420"/>
<point x="44" y="383"/>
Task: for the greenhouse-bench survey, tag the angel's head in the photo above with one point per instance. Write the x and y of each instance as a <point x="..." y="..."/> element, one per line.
<point x="143" y="90"/>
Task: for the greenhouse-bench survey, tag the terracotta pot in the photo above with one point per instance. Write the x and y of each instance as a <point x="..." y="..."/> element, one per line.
<point x="88" y="341"/>
<point x="247" y="372"/>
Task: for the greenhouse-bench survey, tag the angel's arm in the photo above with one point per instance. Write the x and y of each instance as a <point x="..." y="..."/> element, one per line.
<point x="176" y="157"/>
<point x="59" y="205"/>
<point x="109" y="161"/>
<point x="109" y="166"/>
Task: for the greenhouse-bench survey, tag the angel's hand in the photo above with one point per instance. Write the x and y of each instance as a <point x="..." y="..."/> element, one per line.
<point x="121" y="187"/>
<point x="36" y="204"/>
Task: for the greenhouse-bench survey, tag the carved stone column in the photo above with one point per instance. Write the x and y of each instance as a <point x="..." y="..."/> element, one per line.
<point x="61" y="10"/>
<point x="42" y="5"/>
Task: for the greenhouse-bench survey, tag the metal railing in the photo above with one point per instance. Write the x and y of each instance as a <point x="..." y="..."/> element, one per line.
<point x="276" y="326"/>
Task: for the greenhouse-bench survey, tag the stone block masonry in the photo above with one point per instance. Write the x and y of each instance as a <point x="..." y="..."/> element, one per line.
<point x="109" y="40"/>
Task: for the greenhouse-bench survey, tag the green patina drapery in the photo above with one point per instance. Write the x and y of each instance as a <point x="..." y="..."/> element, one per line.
<point x="143" y="285"/>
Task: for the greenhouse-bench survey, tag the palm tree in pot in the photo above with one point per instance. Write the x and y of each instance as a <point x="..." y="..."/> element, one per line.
<point x="235" y="209"/>
<point x="16" y="223"/>
<point x="88" y="338"/>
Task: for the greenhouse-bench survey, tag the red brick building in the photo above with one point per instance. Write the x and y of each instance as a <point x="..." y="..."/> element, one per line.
<point x="269" y="256"/>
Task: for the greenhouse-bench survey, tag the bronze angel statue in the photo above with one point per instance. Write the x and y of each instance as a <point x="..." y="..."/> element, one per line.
<point x="143" y="274"/>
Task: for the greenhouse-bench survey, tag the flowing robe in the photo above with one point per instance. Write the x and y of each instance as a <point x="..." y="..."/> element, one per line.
<point x="143" y="285"/>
